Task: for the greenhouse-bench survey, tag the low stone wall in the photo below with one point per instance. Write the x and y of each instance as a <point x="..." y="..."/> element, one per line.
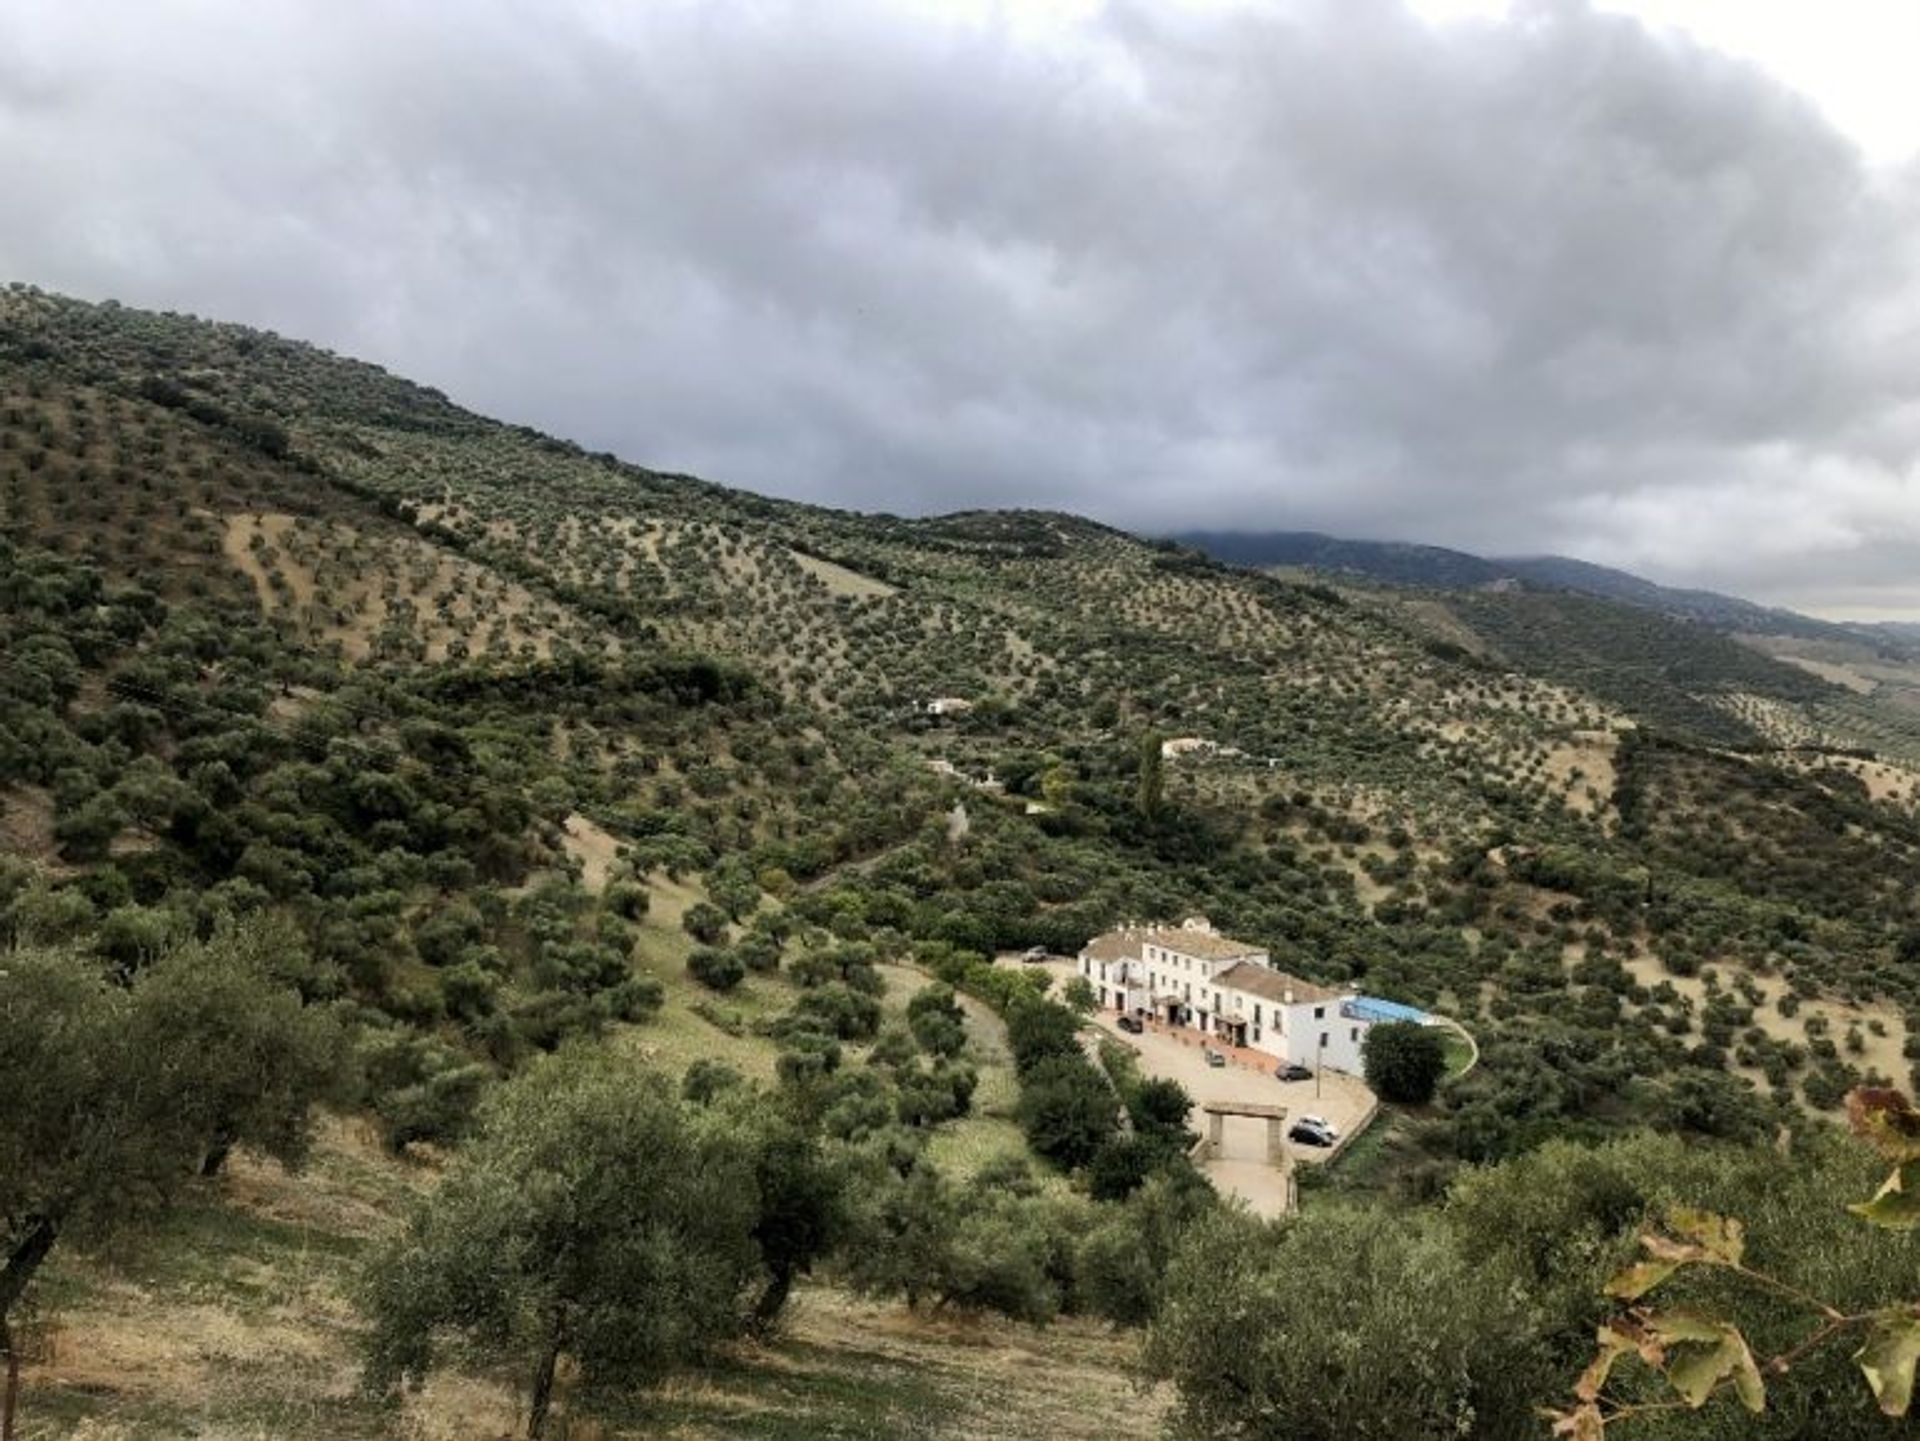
<point x="1353" y="1132"/>
<point x="1447" y="1023"/>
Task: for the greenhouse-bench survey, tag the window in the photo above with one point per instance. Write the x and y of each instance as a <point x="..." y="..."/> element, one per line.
<point x="1319" y="1013"/>
<point x="1256" y="1033"/>
<point x="1354" y="1034"/>
<point x="1256" y="1017"/>
<point x="1323" y="1040"/>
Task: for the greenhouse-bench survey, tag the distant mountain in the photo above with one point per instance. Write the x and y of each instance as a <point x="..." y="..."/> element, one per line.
<point x="1901" y="632"/>
<point x="1722" y="612"/>
<point x="1393" y="561"/>
<point x="1436" y="567"/>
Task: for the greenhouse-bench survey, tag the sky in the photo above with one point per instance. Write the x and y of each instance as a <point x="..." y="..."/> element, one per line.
<point x="1633" y="281"/>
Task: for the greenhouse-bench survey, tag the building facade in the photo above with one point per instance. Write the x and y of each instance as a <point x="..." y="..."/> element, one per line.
<point x="1193" y="977"/>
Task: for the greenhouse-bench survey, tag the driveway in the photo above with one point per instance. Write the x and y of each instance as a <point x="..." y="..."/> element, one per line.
<point x="1241" y="1168"/>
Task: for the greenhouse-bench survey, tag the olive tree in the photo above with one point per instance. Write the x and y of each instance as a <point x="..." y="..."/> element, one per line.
<point x="116" y="1095"/>
<point x="594" y="1215"/>
<point x="1344" y="1325"/>
<point x="1404" y="1061"/>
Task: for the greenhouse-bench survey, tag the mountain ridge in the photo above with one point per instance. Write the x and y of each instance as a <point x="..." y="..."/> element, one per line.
<point x="1440" y="567"/>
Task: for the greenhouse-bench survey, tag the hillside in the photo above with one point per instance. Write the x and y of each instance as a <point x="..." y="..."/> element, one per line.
<point x="716" y="668"/>
<point x="495" y="725"/>
<point x="1438" y="568"/>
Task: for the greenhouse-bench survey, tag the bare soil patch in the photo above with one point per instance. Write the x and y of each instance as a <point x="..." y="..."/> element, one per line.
<point x="361" y="590"/>
<point x="593" y="847"/>
<point x="26" y="824"/>
<point x="1882" y="1053"/>
<point x="838" y="579"/>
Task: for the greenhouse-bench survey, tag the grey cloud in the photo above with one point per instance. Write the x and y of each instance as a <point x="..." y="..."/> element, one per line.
<point x="1550" y="283"/>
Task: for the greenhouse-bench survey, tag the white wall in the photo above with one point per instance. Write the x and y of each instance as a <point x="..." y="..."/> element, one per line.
<point x="1292" y="1033"/>
<point x="1344" y="1038"/>
<point x="1287" y="1033"/>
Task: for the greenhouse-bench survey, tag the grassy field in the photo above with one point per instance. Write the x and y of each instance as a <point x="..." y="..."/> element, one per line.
<point x="233" y="1321"/>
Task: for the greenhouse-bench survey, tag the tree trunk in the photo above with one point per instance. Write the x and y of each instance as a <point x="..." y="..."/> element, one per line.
<point x="10" y="1396"/>
<point x="543" y="1389"/>
<point x="21" y="1264"/>
<point x="24" y="1261"/>
<point x="773" y="1300"/>
<point x="216" y="1156"/>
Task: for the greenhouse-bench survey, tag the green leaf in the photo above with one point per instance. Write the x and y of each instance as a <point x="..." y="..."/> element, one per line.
<point x="1668" y="1249"/>
<point x="1888" y="1359"/>
<point x="1640" y="1278"/>
<point x="1747" y="1384"/>
<point x="1682" y="1325"/>
<point x="1886" y="1118"/>
<point x="1593" y="1380"/>
<point x="1896" y="1205"/>
<point x="1695" y="1372"/>
<point x="1714" y="1351"/>
<point x="1722" y="1238"/>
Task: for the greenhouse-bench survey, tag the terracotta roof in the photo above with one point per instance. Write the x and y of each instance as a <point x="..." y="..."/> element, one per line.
<point x="1272" y="985"/>
<point x="1208" y="945"/>
<point x="1125" y="943"/>
<point x="1113" y="946"/>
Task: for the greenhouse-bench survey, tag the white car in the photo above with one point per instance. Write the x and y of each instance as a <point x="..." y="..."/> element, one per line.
<point x="1311" y="1132"/>
<point x="1324" y="1124"/>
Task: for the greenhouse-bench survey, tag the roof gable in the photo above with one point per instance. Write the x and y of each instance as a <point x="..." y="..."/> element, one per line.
<point x="1276" y="986"/>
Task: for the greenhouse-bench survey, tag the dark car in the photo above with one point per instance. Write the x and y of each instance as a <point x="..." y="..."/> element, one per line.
<point x="1132" y="1025"/>
<point x="1292" y="1071"/>
<point x="1310" y="1133"/>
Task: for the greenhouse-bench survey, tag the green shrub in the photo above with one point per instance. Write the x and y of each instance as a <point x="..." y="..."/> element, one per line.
<point x="715" y="968"/>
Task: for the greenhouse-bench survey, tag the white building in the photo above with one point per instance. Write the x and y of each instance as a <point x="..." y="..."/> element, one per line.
<point x="1175" y="747"/>
<point x="1192" y="976"/>
<point x="949" y="705"/>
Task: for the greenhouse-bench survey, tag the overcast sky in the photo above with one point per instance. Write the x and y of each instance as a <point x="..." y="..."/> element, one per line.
<point x="1637" y="282"/>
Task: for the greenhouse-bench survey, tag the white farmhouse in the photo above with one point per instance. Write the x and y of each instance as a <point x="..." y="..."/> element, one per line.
<point x="945" y="705"/>
<point x="1175" y="747"/>
<point x="1191" y="976"/>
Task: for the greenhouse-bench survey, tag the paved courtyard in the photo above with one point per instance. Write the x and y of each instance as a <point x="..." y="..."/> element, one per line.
<point x="1241" y="1168"/>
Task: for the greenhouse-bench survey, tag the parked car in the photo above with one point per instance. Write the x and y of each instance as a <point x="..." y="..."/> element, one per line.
<point x="1308" y="1133"/>
<point x="1292" y="1071"/>
<point x="1034" y="956"/>
<point x="1214" y="1058"/>
<point x="1324" y="1124"/>
<point x="1132" y="1025"/>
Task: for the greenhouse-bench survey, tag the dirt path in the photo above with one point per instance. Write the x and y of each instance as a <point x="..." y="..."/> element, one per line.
<point x="593" y="848"/>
